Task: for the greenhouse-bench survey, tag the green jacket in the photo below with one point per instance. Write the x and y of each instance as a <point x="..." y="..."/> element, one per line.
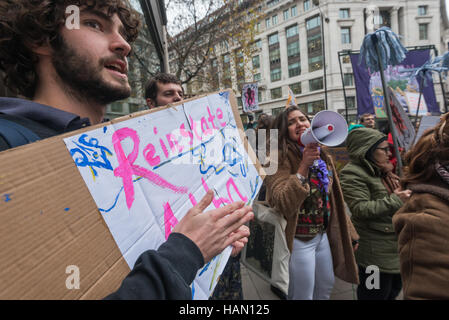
<point x="370" y="204"/>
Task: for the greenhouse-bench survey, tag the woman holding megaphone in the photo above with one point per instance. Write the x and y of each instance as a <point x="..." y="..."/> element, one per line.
<point x="306" y="191"/>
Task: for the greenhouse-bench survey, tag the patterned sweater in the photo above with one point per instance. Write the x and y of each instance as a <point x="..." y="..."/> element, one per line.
<point x="313" y="215"/>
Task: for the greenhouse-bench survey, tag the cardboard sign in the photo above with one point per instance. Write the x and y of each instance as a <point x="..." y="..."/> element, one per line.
<point x="340" y="156"/>
<point x="412" y="100"/>
<point x="427" y="122"/>
<point x="89" y="202"/>
<point x="404" y="127"/>
<point x="250" y="97"/>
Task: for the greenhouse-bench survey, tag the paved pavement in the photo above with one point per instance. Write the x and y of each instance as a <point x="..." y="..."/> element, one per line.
<point x="257" y="288"/>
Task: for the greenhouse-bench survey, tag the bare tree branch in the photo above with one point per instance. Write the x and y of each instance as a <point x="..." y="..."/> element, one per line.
<point x="204" y="27"/>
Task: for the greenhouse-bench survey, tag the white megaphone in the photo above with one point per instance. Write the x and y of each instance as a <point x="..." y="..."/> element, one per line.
<point x="328" y="128"/>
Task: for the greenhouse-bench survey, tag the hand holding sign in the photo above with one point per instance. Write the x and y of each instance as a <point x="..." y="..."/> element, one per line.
<point x="160" y="163"/>
<point x="214" y="230"/>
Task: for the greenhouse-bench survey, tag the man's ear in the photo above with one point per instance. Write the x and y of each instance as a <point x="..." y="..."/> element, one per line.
<point x="150" y="103"/>
<point x="43" y="49"/>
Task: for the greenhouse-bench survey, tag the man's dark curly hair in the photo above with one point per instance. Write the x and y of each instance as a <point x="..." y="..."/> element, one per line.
<point x="29" y="23"/>
<point x="151" y="85"/>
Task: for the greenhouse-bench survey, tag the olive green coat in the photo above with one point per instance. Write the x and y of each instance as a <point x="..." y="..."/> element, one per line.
<point x="370" y="204"/>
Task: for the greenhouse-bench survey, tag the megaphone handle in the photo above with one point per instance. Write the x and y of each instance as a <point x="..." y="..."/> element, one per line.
<point x="316" y="163"/>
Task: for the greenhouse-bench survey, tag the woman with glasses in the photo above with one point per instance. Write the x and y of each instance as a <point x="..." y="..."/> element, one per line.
<point x="373" y="194"/>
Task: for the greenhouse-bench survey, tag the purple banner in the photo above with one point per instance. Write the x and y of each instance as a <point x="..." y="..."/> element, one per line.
<point x="404" y="85"/>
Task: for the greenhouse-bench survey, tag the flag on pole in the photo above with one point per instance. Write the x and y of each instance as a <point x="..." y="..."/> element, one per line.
<point x="291" y="100"/>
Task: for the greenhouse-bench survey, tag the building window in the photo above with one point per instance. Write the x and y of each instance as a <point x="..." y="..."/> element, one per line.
<point x="276" y="111"/>
<point x="258" y="43"/>
<point x="313" y="23"/>
<point x="316" y="84"/>
<point x="275" y="74"/>
<point x="307" y="5"/>
<point x="133" y="107"/>
<point x="272" y="3"/>
<point x="423" y="35"/>
<point x="294" y="69"/>
<point x="276" y="93"/>
<point x="348" y="79"/>
<point x="383" y="19"/>
<point x="286" y="14"/>
<point x="344" y="13"/>
<point x="273" y="39"/>
<point x="315" y="63"/>
<point x="256" y="62"/>
<point x="275" y="56"/>
<point x="239" y="68"/>
<point x="422" y="10"/>
<point x="116" y="107"/>
<point x="215" y="80"/>
<point x="314" y="43"/>
<point x="226" y="58"/>
<point x="294" y="11"/>
<point x="226" y="79"/>
<point x="275" y="20"/>
<point x="293" y="49"/>
<point x="224" y="45"/>
<point x="313" y="107"/>
<point x="257" y="77"/>
<point x="296" y="87"/>
<point x="350" y="102"/>
<point x="345" y="35"/>
<point x="292" y="31"/>
<point x="267" y="23"/>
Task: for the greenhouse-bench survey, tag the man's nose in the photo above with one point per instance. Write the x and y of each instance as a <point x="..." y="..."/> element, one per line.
<point x="177" y="97"/>
<point x="120" y="45"/>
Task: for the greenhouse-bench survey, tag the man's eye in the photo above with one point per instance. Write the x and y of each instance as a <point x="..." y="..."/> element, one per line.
<point x="93" y="24"/>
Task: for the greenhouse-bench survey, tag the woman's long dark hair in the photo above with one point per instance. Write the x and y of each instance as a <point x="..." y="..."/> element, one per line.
<point x="281" y="124"/>
<point x="433" y="146"/>
<point x="285" y="143"/>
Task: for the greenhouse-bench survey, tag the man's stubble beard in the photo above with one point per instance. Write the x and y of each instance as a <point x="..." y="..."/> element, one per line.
<point x="82" y="79"/>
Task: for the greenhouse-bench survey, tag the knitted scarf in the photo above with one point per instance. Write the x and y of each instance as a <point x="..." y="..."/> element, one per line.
<point x="389" y="179"/>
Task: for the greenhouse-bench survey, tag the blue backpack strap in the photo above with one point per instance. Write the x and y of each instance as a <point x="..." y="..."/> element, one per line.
<point x="15" y="134"/>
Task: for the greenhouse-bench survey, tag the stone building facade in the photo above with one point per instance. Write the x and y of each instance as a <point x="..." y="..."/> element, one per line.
<point x="297" y="38"/>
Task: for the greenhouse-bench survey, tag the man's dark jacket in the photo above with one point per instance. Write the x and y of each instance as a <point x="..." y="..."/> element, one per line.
<point x="165" y="273"/>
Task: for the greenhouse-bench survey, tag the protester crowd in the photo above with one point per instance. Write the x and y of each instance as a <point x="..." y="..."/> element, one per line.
<point x="333" y="224"/>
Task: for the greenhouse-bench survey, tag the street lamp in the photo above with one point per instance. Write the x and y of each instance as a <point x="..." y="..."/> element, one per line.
<point x="323" y="49"/>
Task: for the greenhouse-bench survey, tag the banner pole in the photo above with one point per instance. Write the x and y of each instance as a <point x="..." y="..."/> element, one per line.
<point x="344" y="90"/>
<point x="387" y="106"/>
<point x="419" y="102"/>
<point x="443" y="93"/>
